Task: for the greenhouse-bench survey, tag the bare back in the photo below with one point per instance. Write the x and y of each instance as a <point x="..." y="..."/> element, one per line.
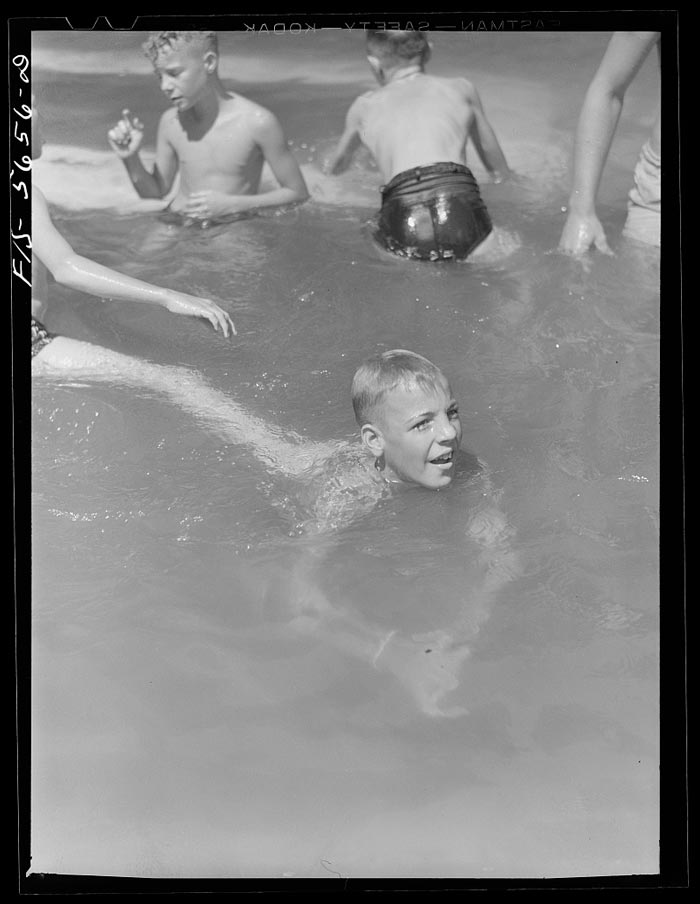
<point x="416" y="121"/>
<point x="222" y="156"/>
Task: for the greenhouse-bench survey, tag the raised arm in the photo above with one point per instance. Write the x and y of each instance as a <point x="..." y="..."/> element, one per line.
<point x="484" y="138"/>
<point x="125" y="140"/>
<point x="597" y="122"/>
<point x="350" y="140"/>
<point x="85" y="275"/>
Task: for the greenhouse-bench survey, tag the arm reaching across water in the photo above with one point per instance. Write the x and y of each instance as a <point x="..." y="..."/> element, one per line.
<point x="597" y="123"/>
<point x="77" y="272"/>
<point x="278" y="449"/>
<point x="349" y="141"/>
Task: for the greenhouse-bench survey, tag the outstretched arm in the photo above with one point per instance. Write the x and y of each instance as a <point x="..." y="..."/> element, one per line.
<point x="597" y="122"/>
<point x="482" y="134"/>
<point x="349" y="141"/>
<point x="85" y="275"/>
<point x="292" y="187"/>
<point x="125" y="140"/>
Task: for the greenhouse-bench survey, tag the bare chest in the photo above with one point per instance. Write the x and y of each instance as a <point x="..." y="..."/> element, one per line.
<point x="227" y="148"/>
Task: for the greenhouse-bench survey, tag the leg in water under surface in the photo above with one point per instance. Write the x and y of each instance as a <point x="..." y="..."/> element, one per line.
<point x="427" y="666"/>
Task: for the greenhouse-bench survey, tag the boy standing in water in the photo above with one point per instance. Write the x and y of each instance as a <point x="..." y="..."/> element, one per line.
<point x="217" y="140"/>
<point x="596" y="127"/>
<point x="51" y="253"/>
<point x="417" y="127"/>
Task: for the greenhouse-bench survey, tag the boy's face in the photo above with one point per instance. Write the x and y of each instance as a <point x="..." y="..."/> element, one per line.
<point x="419" y="434"/>
<point x="184" y="74"/>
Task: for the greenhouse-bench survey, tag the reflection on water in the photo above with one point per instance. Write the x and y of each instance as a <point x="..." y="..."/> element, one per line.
<point x="185" y="725"/>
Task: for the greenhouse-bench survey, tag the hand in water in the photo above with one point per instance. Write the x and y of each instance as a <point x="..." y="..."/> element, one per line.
<point x="428" y="666"/>
<point x="189" y="305"/>
<point x="580" y="232"/>
<point x="126" y="137"/>
<point x="208" y="205"/>
<point x="498" y="176"/>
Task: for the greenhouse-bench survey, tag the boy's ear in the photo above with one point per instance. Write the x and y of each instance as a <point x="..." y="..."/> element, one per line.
<point x="210" y="61"/>
<point x="372" y="439"/>
<point x="375" y="65"/>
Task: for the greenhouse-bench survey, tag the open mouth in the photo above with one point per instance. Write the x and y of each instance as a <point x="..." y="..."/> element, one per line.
<point x="446" y="459"/>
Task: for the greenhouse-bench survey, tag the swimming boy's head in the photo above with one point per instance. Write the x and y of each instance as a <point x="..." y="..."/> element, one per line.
<point x="408" y="417"/>
<point x="390" y="50"/>
<point x="185" y="62"/>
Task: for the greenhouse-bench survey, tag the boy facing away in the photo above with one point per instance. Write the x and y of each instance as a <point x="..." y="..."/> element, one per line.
<point x="218" y="140"/>
<point x="417" y="127"/>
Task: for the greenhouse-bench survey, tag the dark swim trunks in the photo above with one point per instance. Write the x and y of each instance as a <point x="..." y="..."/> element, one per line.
<point x="176" y="218"/>
<point x="40" y="336"/>
<point x="433" y="213"/>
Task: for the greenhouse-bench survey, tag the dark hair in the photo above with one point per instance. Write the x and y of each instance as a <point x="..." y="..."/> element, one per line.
<point x="397" y="46"/>
<point x="158" y="41"/>
<point x="381" y="373"/>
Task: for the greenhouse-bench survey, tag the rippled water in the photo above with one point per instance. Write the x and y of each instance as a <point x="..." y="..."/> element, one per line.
<point x="182" y="726"/>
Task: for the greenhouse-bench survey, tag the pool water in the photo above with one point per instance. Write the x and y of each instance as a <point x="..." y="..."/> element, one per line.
<point x="180" y="725"/>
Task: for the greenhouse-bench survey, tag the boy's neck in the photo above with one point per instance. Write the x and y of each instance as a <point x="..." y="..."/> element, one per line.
<point x="207" y="106"/>
<point x="404" y="72"/>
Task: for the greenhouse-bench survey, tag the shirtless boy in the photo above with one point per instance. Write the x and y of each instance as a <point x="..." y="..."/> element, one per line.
<point x="410" y="435"/>
<point x="417" y="127"/>
<point x="51" y="253"/>
<point x="218" y="140"/>
<point x="625" y="53"/>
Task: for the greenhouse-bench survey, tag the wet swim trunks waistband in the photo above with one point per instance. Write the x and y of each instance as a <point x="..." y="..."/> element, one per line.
<point x="40" y="336"/>
<point x="433" y="212"/>
<point x="177" y="218"/>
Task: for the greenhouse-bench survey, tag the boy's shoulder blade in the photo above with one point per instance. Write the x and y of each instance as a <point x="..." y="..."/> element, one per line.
<point x="361" y="103"/>
<point x="366" y="97"/>
<point x="464" y="85"/>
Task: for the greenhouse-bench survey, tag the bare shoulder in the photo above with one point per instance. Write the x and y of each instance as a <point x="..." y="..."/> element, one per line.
<point x="254" y="114"/>
<point x="361" y="104"/>
<point x="168" y="122"/>
<point x="365" y="98"/>
<point x="464" y="87"/>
